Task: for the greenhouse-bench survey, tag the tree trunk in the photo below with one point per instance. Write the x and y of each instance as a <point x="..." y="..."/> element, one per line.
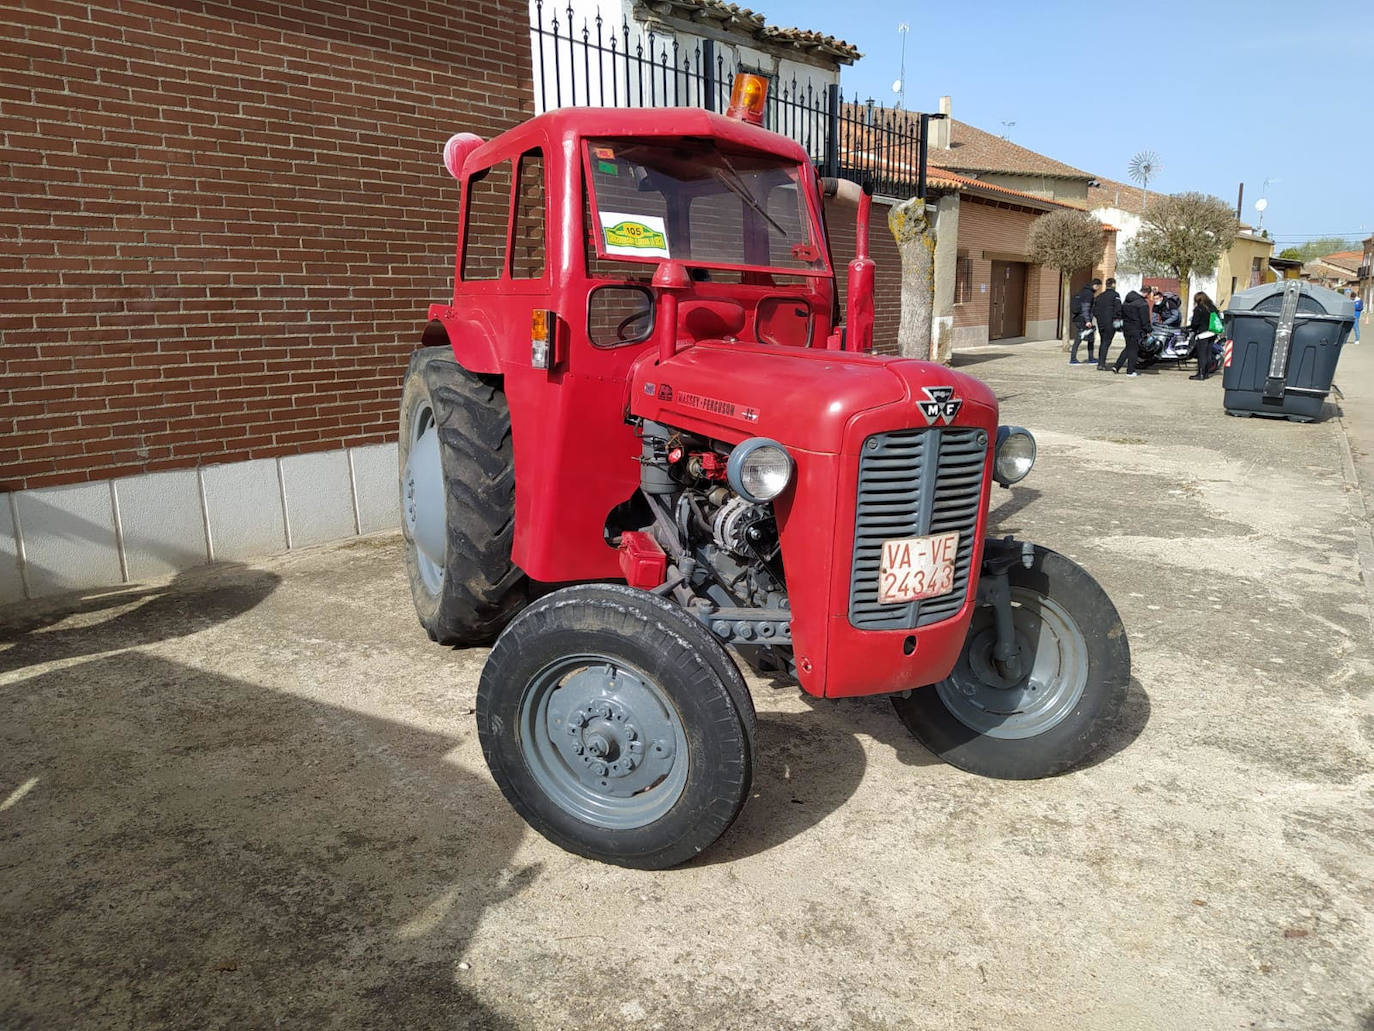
<point x="916" y="244"/>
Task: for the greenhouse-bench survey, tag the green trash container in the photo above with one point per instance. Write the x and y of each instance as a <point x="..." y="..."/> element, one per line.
<point x="1285" y="339"/>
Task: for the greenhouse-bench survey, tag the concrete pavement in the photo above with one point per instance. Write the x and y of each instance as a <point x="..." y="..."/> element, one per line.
<point x="254" y="795"/>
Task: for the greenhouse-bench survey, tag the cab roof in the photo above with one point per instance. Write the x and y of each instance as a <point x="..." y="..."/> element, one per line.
<point x="571" y="124"/>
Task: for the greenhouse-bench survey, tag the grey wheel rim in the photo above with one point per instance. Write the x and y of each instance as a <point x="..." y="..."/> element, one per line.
<point x="422" y="498"/>
<point x="604" y="741"/>
<point x="1054" y="653"/>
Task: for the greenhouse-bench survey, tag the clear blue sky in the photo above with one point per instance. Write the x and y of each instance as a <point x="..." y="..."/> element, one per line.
<point x="1243" y="91"/>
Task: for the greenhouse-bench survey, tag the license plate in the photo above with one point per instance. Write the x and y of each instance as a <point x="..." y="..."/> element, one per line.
<point x="917" y="567"/>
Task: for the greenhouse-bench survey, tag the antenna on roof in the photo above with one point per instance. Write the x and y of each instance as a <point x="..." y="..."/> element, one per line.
<point x="899" y="86"/>
<point x="1007" y="127"/>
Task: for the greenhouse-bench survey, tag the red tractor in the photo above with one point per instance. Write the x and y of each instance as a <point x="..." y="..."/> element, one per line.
<point x="640" y="438"/>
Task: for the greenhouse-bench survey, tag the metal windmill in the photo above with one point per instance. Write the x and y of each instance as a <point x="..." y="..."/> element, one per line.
<point x="1144" y="167"/>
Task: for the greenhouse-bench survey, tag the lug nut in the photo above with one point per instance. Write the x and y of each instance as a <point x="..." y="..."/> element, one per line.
<point x="721" y="628"/>
<point x="744" y="630"/>
<point x="599" y="768"/>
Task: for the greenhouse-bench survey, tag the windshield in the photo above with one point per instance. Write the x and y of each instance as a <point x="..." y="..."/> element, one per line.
<point x="691" y="201"/>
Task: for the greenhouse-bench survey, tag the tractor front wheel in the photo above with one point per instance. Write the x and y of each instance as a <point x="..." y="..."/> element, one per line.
<point x="1054" y="708"/>
<point x="457" y="472"/>
<point x="617" y="726"/>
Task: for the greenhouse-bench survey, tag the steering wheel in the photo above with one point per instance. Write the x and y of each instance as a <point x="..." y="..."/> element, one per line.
<point x="622" y="330"/>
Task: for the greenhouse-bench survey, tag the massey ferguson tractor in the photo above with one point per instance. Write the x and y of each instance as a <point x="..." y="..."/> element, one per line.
<point x="640" y="444"/>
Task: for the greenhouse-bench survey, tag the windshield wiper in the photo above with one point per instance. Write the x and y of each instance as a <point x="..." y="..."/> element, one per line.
<point x="735" y="185"/>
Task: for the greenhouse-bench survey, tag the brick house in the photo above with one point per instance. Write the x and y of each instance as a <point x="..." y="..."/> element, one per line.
<point x="223" y="224"/>
<point x="992" y="191"/>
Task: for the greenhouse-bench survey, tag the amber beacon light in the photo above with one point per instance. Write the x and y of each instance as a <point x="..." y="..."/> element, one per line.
<point x="748" y="96"/>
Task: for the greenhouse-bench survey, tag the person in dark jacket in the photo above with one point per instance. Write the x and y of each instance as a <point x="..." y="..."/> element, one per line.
<point x="1081" y="321"/>
<point x="1200" y="329"/>
<point x="1106" y="310"/>
<point x="1135" y="324"/>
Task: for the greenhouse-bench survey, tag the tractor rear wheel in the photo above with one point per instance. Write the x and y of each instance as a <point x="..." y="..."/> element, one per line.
<point x="617" y="726"/>
<point x="457" y="471"/>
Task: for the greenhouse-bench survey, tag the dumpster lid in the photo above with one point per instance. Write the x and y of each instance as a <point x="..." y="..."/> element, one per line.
<point x="1312" y="299"/>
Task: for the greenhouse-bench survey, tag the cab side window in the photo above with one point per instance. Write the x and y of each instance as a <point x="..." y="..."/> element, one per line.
<point x="527" y="243"/>
<point x="487" y="222"/>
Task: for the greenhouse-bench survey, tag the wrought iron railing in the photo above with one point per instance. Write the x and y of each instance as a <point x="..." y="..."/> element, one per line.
<point x="601" y="65"/>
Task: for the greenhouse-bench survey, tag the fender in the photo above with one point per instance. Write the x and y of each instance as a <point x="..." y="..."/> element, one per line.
<point x="471" y="336"/>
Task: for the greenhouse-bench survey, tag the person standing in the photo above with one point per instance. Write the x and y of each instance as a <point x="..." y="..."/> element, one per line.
<point x="1107" y="312"/>
<point x="1359" y="309"/>
<point x="1081" y="324"/>
<point x="1200" y="330"/>
<point x="1135" y="324"/>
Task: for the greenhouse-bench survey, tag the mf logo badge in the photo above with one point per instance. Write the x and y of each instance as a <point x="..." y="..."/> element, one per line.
<point x="943" y="406"/>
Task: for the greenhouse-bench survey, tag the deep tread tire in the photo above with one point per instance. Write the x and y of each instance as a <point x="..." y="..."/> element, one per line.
<point x="482" y="588"/>
<point x="1082" y="732"/>
<point x="687" y="665"/>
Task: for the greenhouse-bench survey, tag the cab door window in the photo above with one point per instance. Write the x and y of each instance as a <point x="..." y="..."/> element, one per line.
<point x="486" y="224"/>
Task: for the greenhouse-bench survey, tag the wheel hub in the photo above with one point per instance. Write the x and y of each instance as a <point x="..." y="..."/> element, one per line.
<point x="1053" y="671"/>
<point x="610" y="736"/>
<point x="423" y="505"/>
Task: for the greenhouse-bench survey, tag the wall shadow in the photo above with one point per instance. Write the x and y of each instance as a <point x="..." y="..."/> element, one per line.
<point x="194" y="600"/>
<point x="200" y="851"/>
<point x="961" y="359"/>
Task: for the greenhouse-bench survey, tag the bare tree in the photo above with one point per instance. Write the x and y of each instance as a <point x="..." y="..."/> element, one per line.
<point x="1068" y="241"/>
<point x="1185" y="233"/>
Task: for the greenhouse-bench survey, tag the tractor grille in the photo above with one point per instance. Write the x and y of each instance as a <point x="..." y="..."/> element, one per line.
<point x="913" y="483"/>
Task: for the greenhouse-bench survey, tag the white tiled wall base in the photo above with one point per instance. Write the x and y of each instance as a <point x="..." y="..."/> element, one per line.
<point x="142" y="527"/>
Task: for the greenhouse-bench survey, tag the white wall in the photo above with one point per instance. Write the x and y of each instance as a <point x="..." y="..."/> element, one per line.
<point x="146" y="527"/>
<point x="1127" y="225"/>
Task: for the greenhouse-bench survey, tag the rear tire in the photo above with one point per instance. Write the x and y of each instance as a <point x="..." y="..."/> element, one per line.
<point x="617" y="726"/>
<point x="457" y="481"/>
<point x="1055" y="716"/>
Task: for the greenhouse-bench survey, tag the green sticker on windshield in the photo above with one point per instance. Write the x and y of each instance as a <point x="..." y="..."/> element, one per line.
<point x="636" y="235"/>
<point x="608" y="167"/>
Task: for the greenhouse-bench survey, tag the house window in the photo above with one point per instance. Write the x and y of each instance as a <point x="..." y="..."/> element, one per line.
<point x="1256" y="276"/>
<point x="487" y="220"/>
<point x="963" y="280"/>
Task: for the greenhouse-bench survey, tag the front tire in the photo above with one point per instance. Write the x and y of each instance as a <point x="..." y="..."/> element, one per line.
<point x="617" y="726"/>
<point x="1054" y="716"/>
<point x="457" y="482"/>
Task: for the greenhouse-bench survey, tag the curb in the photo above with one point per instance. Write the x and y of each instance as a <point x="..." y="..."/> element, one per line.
<point x="1364" y="537"/>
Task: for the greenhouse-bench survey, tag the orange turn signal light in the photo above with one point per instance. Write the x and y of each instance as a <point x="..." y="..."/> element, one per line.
<point x="748" y="97"/>
<point x="542" y="355"/>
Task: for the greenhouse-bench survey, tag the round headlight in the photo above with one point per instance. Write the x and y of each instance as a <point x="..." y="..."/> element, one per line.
<point x="1015" y="455"/>
<point x="759" y="469"/>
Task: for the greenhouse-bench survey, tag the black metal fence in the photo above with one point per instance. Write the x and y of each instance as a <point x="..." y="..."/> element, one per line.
<point x="601" y="65"/>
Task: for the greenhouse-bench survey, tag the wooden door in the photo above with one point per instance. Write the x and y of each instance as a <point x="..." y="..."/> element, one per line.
<point x="1007" y="301"/>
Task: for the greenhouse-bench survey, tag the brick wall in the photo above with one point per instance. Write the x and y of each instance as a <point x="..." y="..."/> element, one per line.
<point x="997" y="230"/>
<point x="223" y="221"/>
<point x="887" y="283"/>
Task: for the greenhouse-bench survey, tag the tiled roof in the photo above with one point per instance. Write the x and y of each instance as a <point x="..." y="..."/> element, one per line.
<point x="1344" y="259"/>
<point x="734" y="18"/>
<point x="1112" y="194"/>
<point x="942" y="178"/>
<point x="973" y="150"/>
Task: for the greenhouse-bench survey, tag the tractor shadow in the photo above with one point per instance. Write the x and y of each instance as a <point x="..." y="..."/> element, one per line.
<point x="961" y="359"/>
<point x="809" y="764"/>
<point x="187" y="849"/>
